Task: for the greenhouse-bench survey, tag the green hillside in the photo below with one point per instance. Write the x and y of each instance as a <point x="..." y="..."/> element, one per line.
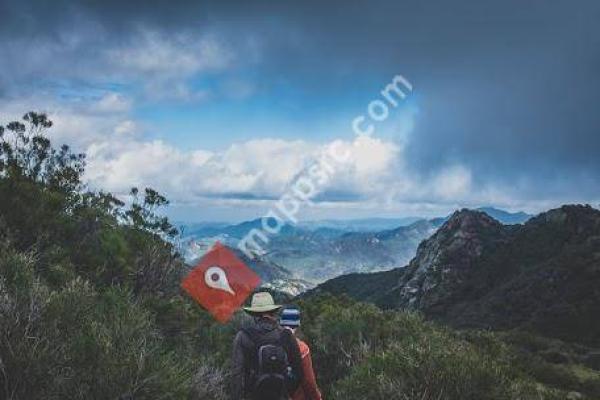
<point x="475" y="272"/>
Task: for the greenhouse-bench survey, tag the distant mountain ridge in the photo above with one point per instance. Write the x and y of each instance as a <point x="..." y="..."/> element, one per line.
<point x="320" y="250"/>
<point x="508" y="218"/>
<point x="238" y="230"/>
<point x="320" y="258"/>
<point x="205" y="229"/>
<point x="361" y="224"/>
<point x="474" y="271"/>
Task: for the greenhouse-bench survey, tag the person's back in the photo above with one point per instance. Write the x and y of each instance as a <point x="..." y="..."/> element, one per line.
<point x="266" y="358"/>
<point x="308" y="389"/>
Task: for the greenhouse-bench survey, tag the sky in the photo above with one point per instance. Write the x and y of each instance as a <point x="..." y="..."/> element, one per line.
<point x="220" y="105"/>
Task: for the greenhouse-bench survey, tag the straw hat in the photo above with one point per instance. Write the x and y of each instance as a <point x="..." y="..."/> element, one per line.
<point x="262" y="302"/>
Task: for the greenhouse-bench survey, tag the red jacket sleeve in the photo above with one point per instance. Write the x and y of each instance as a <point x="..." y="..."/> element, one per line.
<point x="309" y="383"/>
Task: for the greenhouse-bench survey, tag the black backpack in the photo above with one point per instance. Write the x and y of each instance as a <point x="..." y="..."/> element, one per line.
<point x="271" y="372"/>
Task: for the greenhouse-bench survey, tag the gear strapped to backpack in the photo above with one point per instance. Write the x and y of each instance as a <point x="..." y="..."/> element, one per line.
<point x="271" y="373"/>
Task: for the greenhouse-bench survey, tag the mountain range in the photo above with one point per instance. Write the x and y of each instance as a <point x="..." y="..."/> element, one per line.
<point x="315" y="251"/>
<point x="318" y="256"/>
<point x="543" y="275"/>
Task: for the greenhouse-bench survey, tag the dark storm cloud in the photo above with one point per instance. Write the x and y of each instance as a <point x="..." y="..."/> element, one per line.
<point x="508" y="88"/>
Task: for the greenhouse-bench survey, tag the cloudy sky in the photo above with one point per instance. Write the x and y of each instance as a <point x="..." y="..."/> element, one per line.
<point x="219" y="105"/>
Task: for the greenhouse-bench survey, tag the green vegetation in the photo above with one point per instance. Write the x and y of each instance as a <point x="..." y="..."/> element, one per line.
<point x="90" y="308"/>
<point x="362" y="352"/>
<point x="90" y="305"/>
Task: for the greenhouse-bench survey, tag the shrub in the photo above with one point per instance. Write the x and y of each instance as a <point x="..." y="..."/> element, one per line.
<point x="432" y="367"/>
<point x="361" y="352"/>
<point x="209" y="383"/>
<point x="78" y="343"/>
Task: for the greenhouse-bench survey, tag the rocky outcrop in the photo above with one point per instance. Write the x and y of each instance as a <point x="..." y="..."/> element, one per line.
<point x="445" y="263"/>
<point x="475" y="272"/>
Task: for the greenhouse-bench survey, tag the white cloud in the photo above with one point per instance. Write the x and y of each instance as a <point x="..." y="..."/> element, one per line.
<point x="452" y="183"/>
<point x="154" y="64"/>
<point x="163" y="64"/>
<point x="263" y="168"/>
<point x="95" y="118"/>
<point x="170" y="55"/>
<point x="79" y="123"/>
<point x="257" y="167"/>
<point x="112" y="102"/>
<point x="119" y="157"/>
<point x="249" y="175"/>
<point x="126" y="127"/>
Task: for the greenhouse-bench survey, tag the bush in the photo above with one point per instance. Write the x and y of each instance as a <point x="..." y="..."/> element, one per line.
<point x="209" y="383"/>
<point x="79" y="343"/>
<point x="25" y="350"/>
<point x="430" y="367"/>
<point x="361" y="352"/>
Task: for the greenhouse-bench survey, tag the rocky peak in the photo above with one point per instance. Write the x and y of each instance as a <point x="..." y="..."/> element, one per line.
<point x="446" y="259"/>
<point x="465" y="229"/>
<point x="467" y="221"/>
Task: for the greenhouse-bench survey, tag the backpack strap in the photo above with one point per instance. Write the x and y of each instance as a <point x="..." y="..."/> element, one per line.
<point x="290" y="344"/>
<point x="286" y="334"/>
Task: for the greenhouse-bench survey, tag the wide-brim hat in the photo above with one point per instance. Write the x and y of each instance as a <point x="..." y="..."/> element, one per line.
<point x="262" y="302"/>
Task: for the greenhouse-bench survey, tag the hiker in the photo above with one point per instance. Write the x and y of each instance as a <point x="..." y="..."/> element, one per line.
<point x="308" y="389"/>
<point x="267" y="364"/>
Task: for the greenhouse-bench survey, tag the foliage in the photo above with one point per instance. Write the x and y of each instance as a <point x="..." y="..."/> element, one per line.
<point x="78" y="343"/>
<point x="362" y="352"/>
<point x="44" y="208"/>
<point x="83" y="279"/>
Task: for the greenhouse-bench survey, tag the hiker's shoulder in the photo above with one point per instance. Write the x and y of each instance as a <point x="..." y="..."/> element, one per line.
<point x="304" y="349"/>
<point x="252" y="329"/>
<point x="243" y="340"/>
<point x="240" y="336"/>
<point x="247" y="331"/>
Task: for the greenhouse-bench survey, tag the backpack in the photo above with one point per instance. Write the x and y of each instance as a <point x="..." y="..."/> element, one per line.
<point x="270" y="371"/>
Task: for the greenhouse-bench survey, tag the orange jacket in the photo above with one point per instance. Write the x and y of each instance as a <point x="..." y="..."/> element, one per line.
<point x="308" y="389"/>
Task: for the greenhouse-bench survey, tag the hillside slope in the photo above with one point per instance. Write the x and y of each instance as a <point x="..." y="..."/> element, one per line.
<point x="475" y="272"/>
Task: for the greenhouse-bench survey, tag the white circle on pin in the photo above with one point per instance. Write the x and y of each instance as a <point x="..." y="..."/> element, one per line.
<point x="216" y="278"/>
